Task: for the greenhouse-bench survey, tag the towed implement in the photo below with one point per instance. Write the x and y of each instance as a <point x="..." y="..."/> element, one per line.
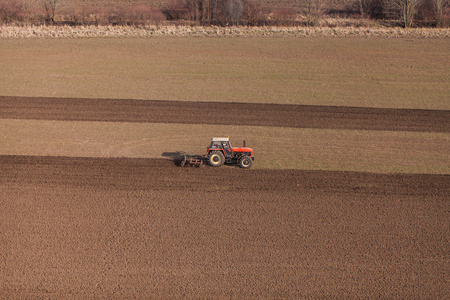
<point x="220" y="152"/>
<point x="191" y="160"/>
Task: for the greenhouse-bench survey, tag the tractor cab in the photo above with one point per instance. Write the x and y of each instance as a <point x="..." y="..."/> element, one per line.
<point x="221" y="144"/>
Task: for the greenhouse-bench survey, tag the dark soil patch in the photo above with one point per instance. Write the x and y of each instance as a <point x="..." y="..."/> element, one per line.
<point x="220" y="113"/>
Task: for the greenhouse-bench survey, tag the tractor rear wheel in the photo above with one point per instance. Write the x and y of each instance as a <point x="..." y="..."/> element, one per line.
<point x="216" y="158"/>
<point x="245" y="162"/>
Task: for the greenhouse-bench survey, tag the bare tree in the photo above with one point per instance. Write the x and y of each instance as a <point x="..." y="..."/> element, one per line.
<point x="404" y="9"/>
<point x="206" y="11"/>
<point x="313" y="10"/>
<point x="439" y="7"/>
<point x="194" y="9"/>
<point x="253" y="12"/>
<point x="364" y="7"/>
<point x="27" y="5"/>
<point x="211" y="11"/>
<point x="233" y="11"/>
<point x="50" y="9"/>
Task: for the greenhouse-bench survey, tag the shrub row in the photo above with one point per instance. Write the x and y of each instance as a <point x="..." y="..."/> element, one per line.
<point x="215" y="12"/>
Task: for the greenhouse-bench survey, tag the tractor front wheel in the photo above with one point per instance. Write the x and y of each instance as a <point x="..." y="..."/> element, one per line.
<point x="245" y="162"/>
<point x="216" y="158"/>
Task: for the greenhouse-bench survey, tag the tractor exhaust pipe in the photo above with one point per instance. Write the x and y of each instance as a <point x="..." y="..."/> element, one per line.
<point x="245" y="144"/>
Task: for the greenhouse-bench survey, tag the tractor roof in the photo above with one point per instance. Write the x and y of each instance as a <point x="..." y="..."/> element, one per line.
<point x="223" y="139"/>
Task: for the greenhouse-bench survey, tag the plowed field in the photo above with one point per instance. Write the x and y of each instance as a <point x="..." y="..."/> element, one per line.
<point x="282" y="115"/>
<point x="74" y="227"/>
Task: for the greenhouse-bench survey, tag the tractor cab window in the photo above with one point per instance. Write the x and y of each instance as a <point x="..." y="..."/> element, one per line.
<point x="227" y="148"/>
<point x="220" y="144"/>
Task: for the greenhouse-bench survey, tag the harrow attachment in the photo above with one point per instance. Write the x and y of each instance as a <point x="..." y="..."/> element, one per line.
<point x="191" y="160"/>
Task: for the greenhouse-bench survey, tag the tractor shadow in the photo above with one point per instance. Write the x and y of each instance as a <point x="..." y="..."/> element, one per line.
<point x="176" y="157"/>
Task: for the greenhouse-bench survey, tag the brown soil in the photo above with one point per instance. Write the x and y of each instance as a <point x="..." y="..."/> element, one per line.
<point x="141" y="228"/>
<point x="281" y="115"/>
<point x="122" y="228"/>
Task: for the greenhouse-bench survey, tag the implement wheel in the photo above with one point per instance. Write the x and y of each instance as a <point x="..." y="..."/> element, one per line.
<point x="216" y="158"/>
<point x="245" y="162"/>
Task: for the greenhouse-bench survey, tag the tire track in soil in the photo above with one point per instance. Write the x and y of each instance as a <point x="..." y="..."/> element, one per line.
<point x="222" y="113"/>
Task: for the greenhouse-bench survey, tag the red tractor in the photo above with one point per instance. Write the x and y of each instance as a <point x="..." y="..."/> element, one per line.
<point x="220" y="152"/>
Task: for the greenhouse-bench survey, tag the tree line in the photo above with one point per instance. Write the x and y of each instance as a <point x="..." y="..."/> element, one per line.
<point x="406" y="13"/>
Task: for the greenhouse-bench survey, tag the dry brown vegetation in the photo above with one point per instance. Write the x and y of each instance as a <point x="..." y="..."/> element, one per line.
<point x="8" y="31"/>
<point x="415" y="13"/>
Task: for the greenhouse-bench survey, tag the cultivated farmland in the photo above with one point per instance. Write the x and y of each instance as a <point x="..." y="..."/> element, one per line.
<point x="375" y="72"/>
<point x="348" y="196"/>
